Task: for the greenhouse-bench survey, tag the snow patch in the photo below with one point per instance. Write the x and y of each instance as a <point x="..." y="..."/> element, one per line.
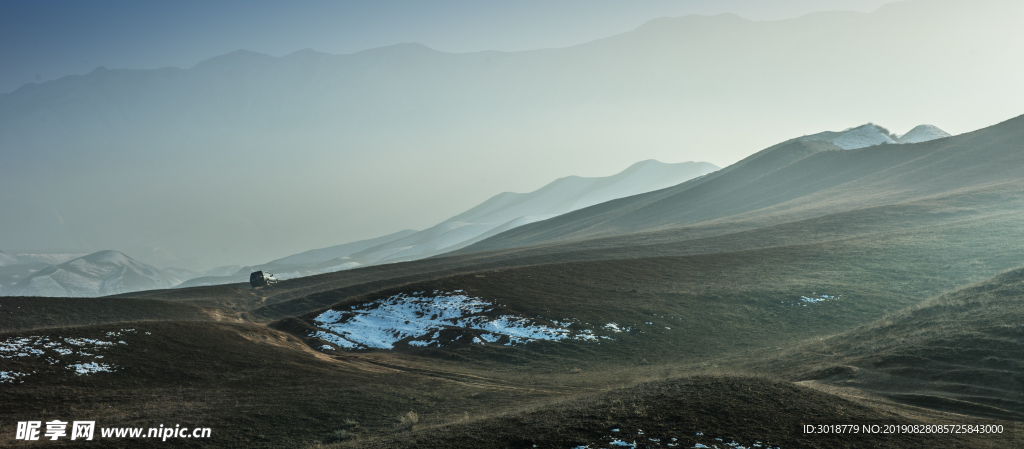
<point x="627" y="439"/>
<point x="614" y="327"/>
<point x="411" y="318"/>
<point x="75" y="351"/>
<point x="10" y="376"/>
<point x="90" y="368"/>
<point x="814" y="298"/>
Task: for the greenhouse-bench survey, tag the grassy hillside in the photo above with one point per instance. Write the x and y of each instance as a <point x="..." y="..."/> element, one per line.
<point x="254" y="387"/>
<point x="17" y="313"/>
<point x="962" y="351"/>
<point x="712" y="411"/>
<point x="257" y="386"/>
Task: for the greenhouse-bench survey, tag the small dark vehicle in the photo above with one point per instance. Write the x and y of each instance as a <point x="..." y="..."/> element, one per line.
<point x="261" y="279"/>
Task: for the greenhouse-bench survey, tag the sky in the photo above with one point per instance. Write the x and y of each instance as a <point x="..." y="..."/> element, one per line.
<point x="42" y="40"/>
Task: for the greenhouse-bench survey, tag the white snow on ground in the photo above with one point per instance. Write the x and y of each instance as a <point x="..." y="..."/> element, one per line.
<point x="630" y="440"/>
<point x="90" y="368"/>
<point x="615" y="328"/>
<point x="412" y="318"/>
<point x="10" y="376"/>
<point x="59" y="350"/>
<point x="87" y="341"/>
<point x="817" y="299"/>
<point x="814" y="298"/>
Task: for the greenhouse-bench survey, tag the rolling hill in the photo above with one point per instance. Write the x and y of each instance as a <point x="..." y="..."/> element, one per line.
<point x="796" y="179"/>
<point x="510" y="210"/>
<point x="961" y="351"/>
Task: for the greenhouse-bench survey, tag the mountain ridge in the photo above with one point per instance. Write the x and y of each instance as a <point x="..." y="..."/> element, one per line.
<point x="796" y="172"/>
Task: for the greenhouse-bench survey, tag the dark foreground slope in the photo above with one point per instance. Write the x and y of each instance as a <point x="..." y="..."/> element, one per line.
<point x="962" y="351"/>
<point x="18" y="313"/>
<point x="252" y="386"/>
<point x="259" y="387"/>
<point x="711" y="312"/>
<point x="690" y="412"/>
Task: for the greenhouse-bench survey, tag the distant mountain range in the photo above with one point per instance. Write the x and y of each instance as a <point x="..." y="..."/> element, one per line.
<point x="98" y="274"/>
<point x="262" y="138"/>
<point x="14" y="268"/>
<point x="487" y="226"/>
<point x="498" y="214"/>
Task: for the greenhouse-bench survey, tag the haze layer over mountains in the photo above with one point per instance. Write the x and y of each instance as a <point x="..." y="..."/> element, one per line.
<point x="498" y="214"/>
<point x="110" y="272"/>
<point x="478" y="229"/>
<point x="247" y="157"/>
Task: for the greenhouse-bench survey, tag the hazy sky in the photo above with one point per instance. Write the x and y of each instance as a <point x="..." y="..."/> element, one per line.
<point x="42" y="40"/>
<point x="248" y="157"/>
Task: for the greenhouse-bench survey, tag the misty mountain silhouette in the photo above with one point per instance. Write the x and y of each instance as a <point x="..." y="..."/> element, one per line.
<point x="498" y="214"/>
<point x="235" y="123"/>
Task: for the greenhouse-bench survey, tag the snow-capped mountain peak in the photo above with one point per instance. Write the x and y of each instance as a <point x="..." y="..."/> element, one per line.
<point x="862" y="136"/>
<point x="923" y="133"/>
<point x="871" y="134"/>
